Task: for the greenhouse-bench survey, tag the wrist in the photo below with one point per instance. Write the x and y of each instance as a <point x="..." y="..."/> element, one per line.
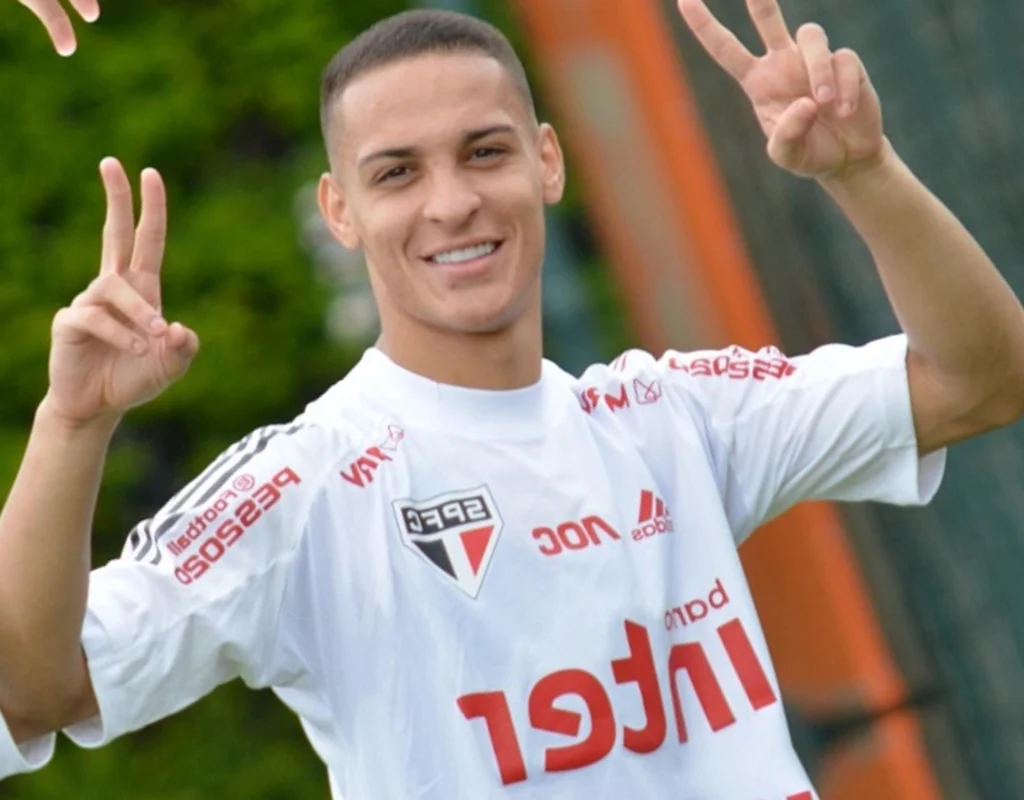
<point x="49" y="415"/>
<point x="879" y="167"/>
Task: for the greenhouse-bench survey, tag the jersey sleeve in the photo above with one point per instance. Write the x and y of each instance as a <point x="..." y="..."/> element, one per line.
<point x="194" y="599"/>
<point x="835" y="424"/>
<point x="17" y="759"/>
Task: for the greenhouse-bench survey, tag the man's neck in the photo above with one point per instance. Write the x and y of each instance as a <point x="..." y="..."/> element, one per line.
<point x="507" y="359"/>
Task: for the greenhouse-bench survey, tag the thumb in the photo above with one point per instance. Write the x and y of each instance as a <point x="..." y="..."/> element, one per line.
<point x="183" y="345"/>
<point x="786" y="144"/>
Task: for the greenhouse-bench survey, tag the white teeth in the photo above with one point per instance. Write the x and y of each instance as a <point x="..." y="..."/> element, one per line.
<point x="467" y="254"/>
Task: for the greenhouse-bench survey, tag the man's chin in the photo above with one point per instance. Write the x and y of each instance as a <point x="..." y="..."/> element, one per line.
<point x="481" y="327"/>
<point x="481" y="322"/>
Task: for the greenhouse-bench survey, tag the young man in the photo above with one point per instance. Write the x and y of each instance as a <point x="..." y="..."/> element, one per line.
<point x="470" y="574"/>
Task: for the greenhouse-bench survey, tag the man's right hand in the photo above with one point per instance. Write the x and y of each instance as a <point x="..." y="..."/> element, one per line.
<point x="112" y="350"/>
<point x="57" y="21"/>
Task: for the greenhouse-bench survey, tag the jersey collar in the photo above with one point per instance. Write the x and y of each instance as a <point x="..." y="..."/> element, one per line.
<point x="476" y="413"/>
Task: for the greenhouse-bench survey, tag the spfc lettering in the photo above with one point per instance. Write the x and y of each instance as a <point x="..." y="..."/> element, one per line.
<point x="455" y="533"/>
<point x="446" y="515"/>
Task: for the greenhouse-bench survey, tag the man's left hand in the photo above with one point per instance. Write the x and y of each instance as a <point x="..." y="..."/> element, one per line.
<point x="818" y="109"/>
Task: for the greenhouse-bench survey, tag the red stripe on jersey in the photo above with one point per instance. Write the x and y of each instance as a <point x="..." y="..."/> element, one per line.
<point x="748" y="667"/>
<point x="646" y="505"/>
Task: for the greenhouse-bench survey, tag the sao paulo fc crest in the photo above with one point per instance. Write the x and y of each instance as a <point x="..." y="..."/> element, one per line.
<point x="456" y="533"/>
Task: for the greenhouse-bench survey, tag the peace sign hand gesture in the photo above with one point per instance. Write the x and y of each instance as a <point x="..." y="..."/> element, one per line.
<point x="818" y="108"/>
<point x="57" y="21"/>
<point x="112" y="350"/>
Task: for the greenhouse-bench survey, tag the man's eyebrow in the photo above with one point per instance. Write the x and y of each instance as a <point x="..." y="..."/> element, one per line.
<point x="483" y="133"/>
<point x="393" y="152"/>
<point x="411" y="152"/>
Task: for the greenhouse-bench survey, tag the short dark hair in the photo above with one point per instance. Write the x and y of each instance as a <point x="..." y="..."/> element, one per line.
<point x="414" y="33"/>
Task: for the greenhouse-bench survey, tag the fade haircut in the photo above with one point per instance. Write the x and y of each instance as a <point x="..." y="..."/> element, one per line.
<point x="415" y="33"/>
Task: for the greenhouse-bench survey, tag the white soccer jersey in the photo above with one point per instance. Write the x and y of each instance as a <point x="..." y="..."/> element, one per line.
<point x="529" y="594"/>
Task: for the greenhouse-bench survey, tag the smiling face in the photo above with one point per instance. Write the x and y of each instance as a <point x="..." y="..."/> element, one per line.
<point x="440" y="174"/>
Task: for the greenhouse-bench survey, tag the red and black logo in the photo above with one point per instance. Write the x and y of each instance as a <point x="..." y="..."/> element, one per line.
<point x="456" y="533"/>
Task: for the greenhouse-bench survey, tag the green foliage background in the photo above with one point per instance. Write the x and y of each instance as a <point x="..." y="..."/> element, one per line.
<point x="222" y="98"/>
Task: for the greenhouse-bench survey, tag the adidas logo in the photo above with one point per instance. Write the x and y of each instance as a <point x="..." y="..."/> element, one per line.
<point x="654" y="517"/>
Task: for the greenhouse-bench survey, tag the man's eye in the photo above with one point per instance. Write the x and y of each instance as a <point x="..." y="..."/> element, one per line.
<point x="487" y="152"/>
<point x="393" y="174"/>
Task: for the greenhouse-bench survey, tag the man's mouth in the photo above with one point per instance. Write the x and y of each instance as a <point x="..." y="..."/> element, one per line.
<point x="465" y="255"/>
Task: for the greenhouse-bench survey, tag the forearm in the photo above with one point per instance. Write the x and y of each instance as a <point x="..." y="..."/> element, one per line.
<point x="959" y="315"/>
<point x="45" y="532"/>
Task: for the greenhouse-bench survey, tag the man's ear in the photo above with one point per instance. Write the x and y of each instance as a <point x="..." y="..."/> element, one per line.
<point x="335" y="211"/>
<point x="552" y="165"/>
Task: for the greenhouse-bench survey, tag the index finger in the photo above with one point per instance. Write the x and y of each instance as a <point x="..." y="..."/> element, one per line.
<point x="119" y="228"/>
<point x="721" y="43"/>
<point x="56" y="22"/>
<point x="151" y="236"/>
<point x="770" y="24"/>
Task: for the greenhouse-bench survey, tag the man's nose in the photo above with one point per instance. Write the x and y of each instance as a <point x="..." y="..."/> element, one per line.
<point x="452" y="200"/>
